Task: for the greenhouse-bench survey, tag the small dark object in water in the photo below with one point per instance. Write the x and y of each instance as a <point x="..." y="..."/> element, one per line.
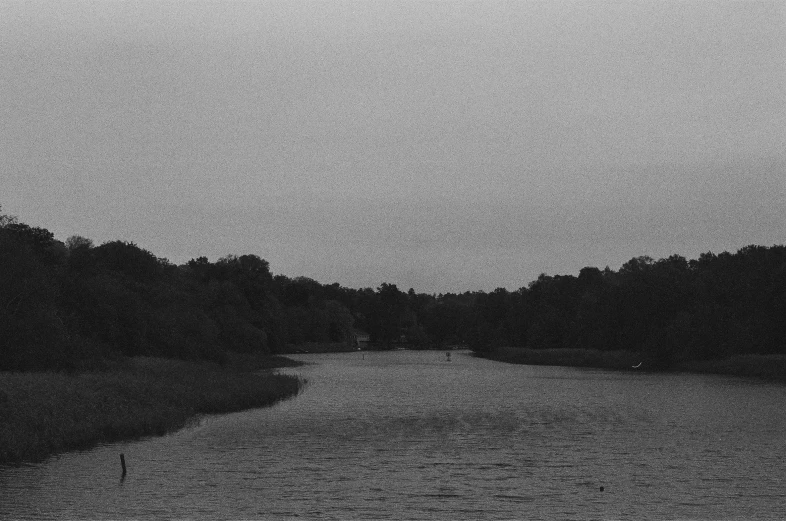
<point x="123" y="463"/>
<point x="601" y="489"/>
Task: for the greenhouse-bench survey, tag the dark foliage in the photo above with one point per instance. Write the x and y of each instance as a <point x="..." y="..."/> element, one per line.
<point x="72" y="305"/>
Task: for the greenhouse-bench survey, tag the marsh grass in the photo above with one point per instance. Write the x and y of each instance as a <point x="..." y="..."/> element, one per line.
<point x="566" y="357"/>
<point x="45" y="413"/>
<point x="256" y="362"/>
<point x="772" y="367"/>
<point x="320" y="347"/>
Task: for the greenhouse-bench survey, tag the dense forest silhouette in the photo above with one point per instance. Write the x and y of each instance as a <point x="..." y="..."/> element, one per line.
<point x="71" y="305"/>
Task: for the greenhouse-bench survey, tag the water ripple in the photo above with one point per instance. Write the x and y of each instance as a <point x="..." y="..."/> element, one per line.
<point x="408" y="436"/>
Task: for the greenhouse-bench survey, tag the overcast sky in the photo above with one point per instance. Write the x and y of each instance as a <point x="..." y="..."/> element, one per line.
<point x="443" y="145"/>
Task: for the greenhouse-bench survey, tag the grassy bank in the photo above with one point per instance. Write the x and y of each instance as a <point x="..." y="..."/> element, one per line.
<point x="772" y="367"/>
<point x="45" y="413"/>
<point x="320" y="347"/>
<point x="566" y="357"/>
<point x="255" y="362"/>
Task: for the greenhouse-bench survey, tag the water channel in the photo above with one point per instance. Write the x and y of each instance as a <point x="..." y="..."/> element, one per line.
<point x="411" y="435"/>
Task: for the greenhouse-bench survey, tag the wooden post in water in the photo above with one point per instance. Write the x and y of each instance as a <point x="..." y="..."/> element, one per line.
<point x="123" y="463"/>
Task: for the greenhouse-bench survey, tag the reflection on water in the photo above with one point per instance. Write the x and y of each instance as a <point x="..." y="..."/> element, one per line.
<point x="409" y="435"/>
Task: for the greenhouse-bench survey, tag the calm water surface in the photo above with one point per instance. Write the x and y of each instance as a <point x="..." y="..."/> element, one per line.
<point x="408" y="435"/>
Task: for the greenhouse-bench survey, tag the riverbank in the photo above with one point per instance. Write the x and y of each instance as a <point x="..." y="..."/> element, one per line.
<point x="771" y="367"/>
<point x="46" y="413"/>
<point x="565" y="357"/>
<point x="319" y="347"/>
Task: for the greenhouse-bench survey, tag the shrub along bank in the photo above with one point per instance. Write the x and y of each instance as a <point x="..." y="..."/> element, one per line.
<point x="45" y="413"/>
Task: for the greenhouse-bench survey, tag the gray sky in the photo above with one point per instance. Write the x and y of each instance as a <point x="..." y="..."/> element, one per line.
<point x="445" y="146"/>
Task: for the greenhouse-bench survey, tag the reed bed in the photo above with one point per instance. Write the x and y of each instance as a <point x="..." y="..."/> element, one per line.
<point x="320" y="347"/>
<point x="770" y="367"/>
<point x="565" y="357"/>
<point x="45" y="413"/>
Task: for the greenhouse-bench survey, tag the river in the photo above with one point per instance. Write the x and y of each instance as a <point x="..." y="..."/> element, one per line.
<point x="411" y="435"/>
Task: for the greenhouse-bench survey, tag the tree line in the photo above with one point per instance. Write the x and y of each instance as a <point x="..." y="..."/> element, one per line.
<point x="66" y="305"/>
